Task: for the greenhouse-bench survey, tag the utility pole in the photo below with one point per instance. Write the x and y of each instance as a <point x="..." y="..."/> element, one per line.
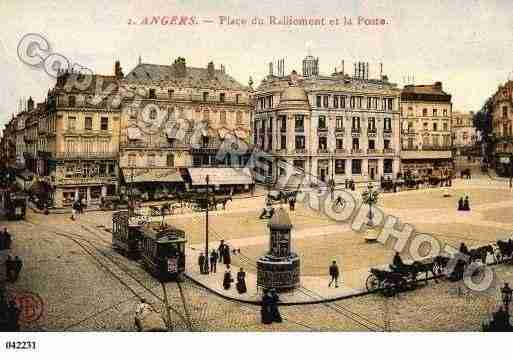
<point x="207" y="269"/>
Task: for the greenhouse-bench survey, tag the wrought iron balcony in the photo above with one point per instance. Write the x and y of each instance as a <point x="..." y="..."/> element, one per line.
<point x="323" y="150"/>
<point x="357" y="151"/>
<point x="371" y="132"/>
<point x="322" y="129"/>
<point x="299" y="129"/>
<point x="355" y="132"/>
<point x="340" y="150"/>
<point x="300" y="150"/>
<point x="389" y="150"/>
<point x="86" y="155"/>
<point x="339" y="130"/>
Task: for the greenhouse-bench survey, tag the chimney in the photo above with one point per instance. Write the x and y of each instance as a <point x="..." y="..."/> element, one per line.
<point x="118" y="71"/>
<point x="210" y="69"/>
<point x="30" y="104"/>
<point x="179" y="67"/>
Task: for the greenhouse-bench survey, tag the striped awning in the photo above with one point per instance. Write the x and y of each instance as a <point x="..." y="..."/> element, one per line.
<point x="138" y="175"/>
<point x="220" y="175"/>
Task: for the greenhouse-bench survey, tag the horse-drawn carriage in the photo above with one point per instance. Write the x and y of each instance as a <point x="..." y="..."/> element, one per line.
<point x="14" y="204"/>
<point x="504" y="250"/>
<point x="281" y="196"/>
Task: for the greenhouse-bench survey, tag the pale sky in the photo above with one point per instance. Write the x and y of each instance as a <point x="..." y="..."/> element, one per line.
<point x="466" y="44"/>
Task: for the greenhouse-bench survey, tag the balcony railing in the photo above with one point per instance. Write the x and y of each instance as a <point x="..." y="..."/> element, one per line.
<point x="143" y="144"/>
<point x="85" y="155"/>
<point x="389" y="150"/>
<point x="340" y="150"/>
<point x="339" y="130"/>
<point x="357" y="151"/>
<point x="300" y="150"/>
<point x="323" y="150"/>
<point x="322" y="129"/>
<point x="371" y="132"/>
<point x="299" y="129"/>
<point x="355" y="132"/>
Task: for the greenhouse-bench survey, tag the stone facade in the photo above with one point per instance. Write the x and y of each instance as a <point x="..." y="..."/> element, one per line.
<point x="333" y="127"/>
<point x="464" y="134"/>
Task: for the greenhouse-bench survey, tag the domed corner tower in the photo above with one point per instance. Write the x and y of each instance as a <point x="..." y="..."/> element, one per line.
<point x="279" y="268"/>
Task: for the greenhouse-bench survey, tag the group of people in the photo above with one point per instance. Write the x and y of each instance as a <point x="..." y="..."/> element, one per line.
<point x="77" y="208"/>
<point x="269" y="310"/>
<point x="241" y="281"/>
<point x="268" y="210"/>
<point x="463" y="204"/>
<point x="5" y="240"/>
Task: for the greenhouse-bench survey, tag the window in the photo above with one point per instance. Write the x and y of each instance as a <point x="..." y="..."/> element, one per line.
<point x="170" y="160"/>
<point x="352" y="102"/>
<point x="369" y="102"/>
<point x="323" y="143"/>
<point x="270" y="101"/>
<point x="322" y="121"/>
<point x="424" y="112"/>
<point x="390" y="104"/>
<point x="386" y="144"/>
<point x="326" y="100"/>
<point x="282" y="122"/>
<point x="445" y="112"/>
<point x="238" y="118"/>
<point x="206" y="115"/>
<point x="132" y="160"/>
<point x="151" y="160"/>
<point x="222" y="117"/>
<point x="342" y="102"/>
<point x="237" y="98"/>
<point x="71" y="101"/>
<point x="387" y="165"/>
<point x="299" y="122"/>
<point x="152" y="94"/>
<point x="372" y="124"/>
<point x="505" y="111"/>
<point x="104" y="123"/>
<point x="359" y="100"/>
<point x="221" y="97"/>
<point x="371" y="145"/>
<point x="299" y="164"/>
<point x="340" y="167"/>
<point x="283" y="142"/>
<point x="446" y="126"/>
<point x="356" y="143"/>
<point x="318" y="101"/>
<point x="71" y="123"/>
<point x="356" y="124"/>
<point x="335" y="101"/>
<point x="339" y="143"/>
<point x="435" y="126"/>
<point x="387" y="124"/>
<point x="339" y="122"/>
<point x="300" y="142"/>
<point x="88" y="123"/>
<point x="435" y="112"/>
<point x="356" y="167"/>
<point x="410" y="143"/>
<point x="205" y="96"/>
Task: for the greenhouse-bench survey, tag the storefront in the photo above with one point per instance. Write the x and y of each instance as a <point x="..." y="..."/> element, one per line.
<point x="223" y="179"/>
<point x="152" y="183"/>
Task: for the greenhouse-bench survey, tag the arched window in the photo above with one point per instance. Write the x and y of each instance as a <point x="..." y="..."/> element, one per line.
<point x="170" y="161"/>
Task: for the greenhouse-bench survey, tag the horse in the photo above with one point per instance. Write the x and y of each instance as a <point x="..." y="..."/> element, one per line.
<point x="480" y="253"/>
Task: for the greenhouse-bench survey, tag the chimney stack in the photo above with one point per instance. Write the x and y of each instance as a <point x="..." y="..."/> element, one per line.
<point x="30" y="104"/>
<point x="210" y="69"/>
<point x="118" y="71"/>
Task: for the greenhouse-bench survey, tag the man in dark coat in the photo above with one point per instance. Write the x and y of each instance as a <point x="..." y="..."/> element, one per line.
<point x="275" y="313"/>
<point x="2" y="241"/>
<point x="13" y="317"/>
<point x="241" y="282"/>
<point x="466" y="205"/>
<point x="213" y="261"/>
<point x="227" y="279"/>
<point x="201" y="263"/>
<point x="18" y="264"/>
<point x="265" y="310"/>
<point x="227" y="260"/>
<point x="398" y="262"/>
<point x="292" y="203"/>
<point x="334" y="273"/>
<point x="220" y="250"/>
<point x="7" y="239"/>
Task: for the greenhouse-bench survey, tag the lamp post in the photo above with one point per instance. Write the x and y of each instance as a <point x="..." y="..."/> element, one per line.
<point x="207" y="268"/>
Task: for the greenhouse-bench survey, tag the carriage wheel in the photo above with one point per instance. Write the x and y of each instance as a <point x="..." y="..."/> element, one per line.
<point x="372" y="283"/>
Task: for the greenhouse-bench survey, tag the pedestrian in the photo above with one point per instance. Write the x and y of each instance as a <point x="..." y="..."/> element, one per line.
<point x="460" y="204"/>
<point x="227" y="279"/>
<point x="275" y="312"/>
<point x="213" y="261"/>
<point x="339" y="201"/>
<point x="241" y="282"/>
<point x="7" y="239"/>
<point x="265" y="309"/>
<point x="201" y="263"/>
<point x="2" y="241"/>
<point x="13" y="317"/>
<point x="334" y="273"/>
<point x="463" y="249"/>
<point x="220" y="250"/>
<point x="74" y="207"/>
<point x="9" y="268"/>
<point x="506" y="295"/>
<point x="292" y="203"/>
<point x="227" y="260"/>
<point x="17" y="264"/>
<point x="466" y="205"/>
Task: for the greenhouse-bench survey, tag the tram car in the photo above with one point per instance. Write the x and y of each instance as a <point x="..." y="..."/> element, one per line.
<point x="125" y="234"/>
<point x="163" y="251"/>
<point x="14" y="205"/>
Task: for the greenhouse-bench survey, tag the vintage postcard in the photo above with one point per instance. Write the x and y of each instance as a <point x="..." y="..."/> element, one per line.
<point x="245" y="166"/>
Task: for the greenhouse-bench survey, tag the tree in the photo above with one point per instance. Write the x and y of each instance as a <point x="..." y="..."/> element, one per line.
<point x="482" y="121"/>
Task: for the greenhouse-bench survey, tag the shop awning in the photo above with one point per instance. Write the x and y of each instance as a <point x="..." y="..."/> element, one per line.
<point x="134" y="133"/>
<point x="421" y="155"/>
<point x="138" y="175"/>
<point x="220" y="176"/>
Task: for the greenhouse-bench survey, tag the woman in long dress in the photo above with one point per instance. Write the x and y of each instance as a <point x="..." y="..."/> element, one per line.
<point x="241" y="282"/>
<point x="227" y="280"/>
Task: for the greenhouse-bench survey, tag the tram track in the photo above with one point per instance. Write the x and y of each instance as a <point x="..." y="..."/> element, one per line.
<point x="117" y="272"/>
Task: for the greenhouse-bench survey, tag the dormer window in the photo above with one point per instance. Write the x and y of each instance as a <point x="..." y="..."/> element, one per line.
<point x="152" y="94"/>
<point x="205" y="96"/>
<point x="221" y="97"/>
